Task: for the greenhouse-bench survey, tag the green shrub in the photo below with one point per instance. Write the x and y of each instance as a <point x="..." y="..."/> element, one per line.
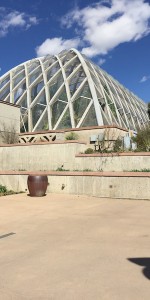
<point x="117" y="145"/>
<point x="3" y="189"/>
<point x="62" y="169"/>
<point x="72" y="136"/>
<point x="89" y="151"/>
<point x="143" y="139"/>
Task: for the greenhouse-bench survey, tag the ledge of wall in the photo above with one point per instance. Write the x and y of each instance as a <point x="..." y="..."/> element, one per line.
<point x="78" y="173"/>
<point x="137" y="187"/>
<point x="114" y="154"/>
<point x="43" y="143"/>
<point x="73" y="129"/>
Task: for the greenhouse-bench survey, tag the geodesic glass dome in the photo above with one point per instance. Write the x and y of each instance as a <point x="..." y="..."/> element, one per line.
<point x="69" y="91"/>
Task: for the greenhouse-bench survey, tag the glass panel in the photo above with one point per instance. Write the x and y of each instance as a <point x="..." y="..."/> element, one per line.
<point x="43" y="125"/>
<point x="67" y="57"/>
<point x="4" y="81"/>
<point x="8" y="99"/>
<point x="35" y="75"/>
<point x="57" y="109"/>
<point x="24" y="122"/>
<point x="90" y="119"/>
<point x="37" y="111"/>
<point x="54" y="85"/>
<point x="36" y="89"/>
<point x="52" y="71"/>
<point x="76" y="80"/>
<point x="79" y="106"/>
<point x="85" y="91"/>
<point x="95" y="79"/>
<point x="104" y="118"/>
<point x="19" y="91"/>
<point x="42" y="99"/>
<point x="17" y="70"/>
<point x="33" y="65"/>
<point x="69" y="69"/>
<point x="5" y="93"/>
<point x="49" y="61"/>
<point x="66" y="121"/>
<point x="18" y="78"/>
<point x="23" y="102"/>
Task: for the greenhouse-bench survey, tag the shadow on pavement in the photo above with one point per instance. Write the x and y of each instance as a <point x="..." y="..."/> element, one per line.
<point x="143" y="262"/>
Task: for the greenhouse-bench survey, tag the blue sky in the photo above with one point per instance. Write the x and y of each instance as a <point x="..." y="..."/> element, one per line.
<point x="113" y="33"/>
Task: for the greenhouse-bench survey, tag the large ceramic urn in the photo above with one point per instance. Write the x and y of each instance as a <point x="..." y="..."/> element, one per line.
<point x="37" y="185"/>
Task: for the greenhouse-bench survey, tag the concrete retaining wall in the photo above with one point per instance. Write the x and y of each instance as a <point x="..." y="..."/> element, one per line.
<point x="33" y="157"/>
<point x="113" y="162"/>
<point x="125" y="185"/>
<point x="50" y="156"/>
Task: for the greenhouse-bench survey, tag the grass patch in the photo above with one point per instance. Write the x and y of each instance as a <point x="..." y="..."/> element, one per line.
<point x="4" y="191"/>
<point x="142" y="170"/>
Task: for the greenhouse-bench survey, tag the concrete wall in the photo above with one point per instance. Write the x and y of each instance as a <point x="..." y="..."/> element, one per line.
<point x="53" y="155"/>
<point x="9" y="117"/>
<point x="111" y="133"/>
<point x="33" y="157"/>
<point x="84" y="134"/>
<point x="124" y="187"/>
<point x="114" y="162"/>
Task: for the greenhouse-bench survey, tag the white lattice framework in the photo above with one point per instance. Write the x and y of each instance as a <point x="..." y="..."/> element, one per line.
<point x="68" y="90"/>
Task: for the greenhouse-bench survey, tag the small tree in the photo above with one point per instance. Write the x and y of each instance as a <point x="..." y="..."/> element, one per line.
<point x="8" y="134"/>
<point x="143" y="139"/>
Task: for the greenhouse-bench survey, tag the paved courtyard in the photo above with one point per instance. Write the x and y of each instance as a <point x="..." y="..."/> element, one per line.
<point x="74" y="247"/>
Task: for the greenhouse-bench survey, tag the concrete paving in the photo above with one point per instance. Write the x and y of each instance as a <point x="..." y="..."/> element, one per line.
<point x="74" y="247"/>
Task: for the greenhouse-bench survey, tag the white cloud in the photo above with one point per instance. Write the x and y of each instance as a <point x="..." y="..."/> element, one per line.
<point x="144" y="78"/>
<point x="56" y="45"/>
<point x="13" y="19"/>
<point x="107" y="24"/>
<point x="101" y="61"/>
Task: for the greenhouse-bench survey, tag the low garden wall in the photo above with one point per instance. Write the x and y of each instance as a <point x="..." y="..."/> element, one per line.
<point x="101" y="184"/>
<point x="42" y="156"/>
<point x="65" y="155"/>
<point x="126" y="161"/>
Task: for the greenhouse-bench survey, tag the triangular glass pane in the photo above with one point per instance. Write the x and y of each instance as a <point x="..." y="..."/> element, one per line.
<point x="24" y="102"/>
<point x="5" y="92"/>
<point x="43" y="125"/>
<point x="19" y="91"/>
<point x="37" y="111"/>
<point x="24" y="123"/>
<point x="42" y="99"/>
<point x="69" y="69"/>
<point x="79" y="107"/>
<point x="33" y="65"/>
<point x="36" y="89"/>
<point x="57" y="109"/>
<point x="4" y="81"/>
<point x="105" y="120"/>
<point x="35" y="74"/>
<point x="85" y="92"/>
<point x="52" y="71"/>
<point x="55" y="84"/>
<point x="114" y="121"/>
<point x="18" y="78"/>
<point x="76" y="80"/>
<point x="66" y="121"/>
<point x="90" y="119"/>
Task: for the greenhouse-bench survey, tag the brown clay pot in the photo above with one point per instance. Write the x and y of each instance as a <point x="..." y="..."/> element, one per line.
<point x="37" y="185"/>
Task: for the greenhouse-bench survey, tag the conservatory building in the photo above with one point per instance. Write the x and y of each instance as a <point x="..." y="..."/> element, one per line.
<point x="69" y="91"/>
